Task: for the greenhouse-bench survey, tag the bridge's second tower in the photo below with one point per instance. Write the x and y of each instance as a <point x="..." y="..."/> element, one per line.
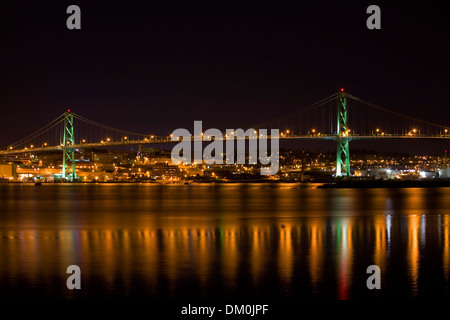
<point x="343" y="155"/>
<point x="68" y="168"/>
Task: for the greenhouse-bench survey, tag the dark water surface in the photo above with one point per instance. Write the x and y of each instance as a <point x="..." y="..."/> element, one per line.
<point x="227" y="242"/>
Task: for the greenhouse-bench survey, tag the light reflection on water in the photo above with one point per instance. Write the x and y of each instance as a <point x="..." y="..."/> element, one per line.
<point x="223" y="241"/>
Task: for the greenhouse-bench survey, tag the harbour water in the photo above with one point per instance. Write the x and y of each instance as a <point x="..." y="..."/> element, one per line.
<point x="227" y="242"/>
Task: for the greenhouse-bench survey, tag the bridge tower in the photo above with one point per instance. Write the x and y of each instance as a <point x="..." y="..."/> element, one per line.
<point x="343" y="155"/>
<point x="68" y="168"/>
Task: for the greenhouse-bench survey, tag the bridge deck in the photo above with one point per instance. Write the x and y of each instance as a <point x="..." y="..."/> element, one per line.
<point x="165" y="140"/>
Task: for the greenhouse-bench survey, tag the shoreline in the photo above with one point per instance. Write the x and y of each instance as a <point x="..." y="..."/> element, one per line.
<point x="340" y="184"/>
<point x="363" y="184"/>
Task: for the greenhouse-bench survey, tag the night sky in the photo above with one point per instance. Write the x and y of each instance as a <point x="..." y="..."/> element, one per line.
<point x="154" y="66"/>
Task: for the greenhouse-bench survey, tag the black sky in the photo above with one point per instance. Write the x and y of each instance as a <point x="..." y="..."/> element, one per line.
<point x="153" y="66"/>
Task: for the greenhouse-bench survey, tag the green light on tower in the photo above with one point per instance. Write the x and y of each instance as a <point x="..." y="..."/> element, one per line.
<point x="68" y="169"/>
<point x="343" y="154"/>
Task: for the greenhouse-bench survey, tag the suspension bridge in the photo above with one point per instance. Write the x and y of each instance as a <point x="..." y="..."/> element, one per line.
<point x="340" y="117"/>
